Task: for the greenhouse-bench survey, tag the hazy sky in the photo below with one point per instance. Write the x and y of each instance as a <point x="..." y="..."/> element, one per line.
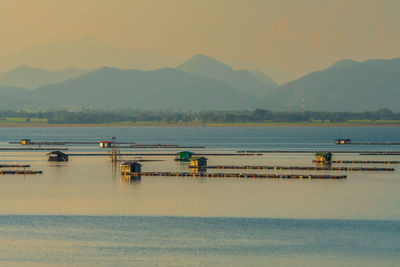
<point x="295" y="36"/>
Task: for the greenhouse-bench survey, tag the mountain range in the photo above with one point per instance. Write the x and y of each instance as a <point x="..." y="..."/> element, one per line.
<point x="31" y="78"/>
<point x="85" y="54"/>
<point x="346" y="85"/>
<point x="255" y="83"/>
<point x="111" y="88"/>
<point x="204" y="83"/>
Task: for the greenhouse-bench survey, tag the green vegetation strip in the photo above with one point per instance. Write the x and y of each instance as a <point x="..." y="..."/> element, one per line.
<point x="257" y="117"/>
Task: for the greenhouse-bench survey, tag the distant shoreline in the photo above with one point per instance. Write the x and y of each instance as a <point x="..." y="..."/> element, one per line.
<point x="152" y="124"/>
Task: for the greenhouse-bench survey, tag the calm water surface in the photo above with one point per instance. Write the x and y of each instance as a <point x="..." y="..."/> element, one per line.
<point x="180" y="241"/>
<point x="291" y="222"/>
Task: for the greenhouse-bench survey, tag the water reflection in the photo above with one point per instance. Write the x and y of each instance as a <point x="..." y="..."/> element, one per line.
<point x="58" y="168"/>
<point x="114" y="170"/>
<point x="324" y="164"/>
<point x="198" y="170"/>
<point x="130" y="179"/>
<point x="182" y="166"/>
<point x="58" y="164"/>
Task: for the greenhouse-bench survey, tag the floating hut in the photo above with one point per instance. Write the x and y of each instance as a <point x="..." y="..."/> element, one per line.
<point x="105" y="144"/>
<point x="323" y="157"/>
<point x="184" y="156"/>
<point x="130" y="167"/>
<point x="57" y="156"/>
<point x="26" y="141"/>
<point x="342" y="141"/>
<point x="198" y="162"/>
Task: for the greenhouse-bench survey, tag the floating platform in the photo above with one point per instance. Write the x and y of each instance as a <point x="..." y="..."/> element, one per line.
<point x="373" y="143"/>
<point x="14" y="166"/>
<point x="52" y="143"/>
<point x="362" y="162"/>
<point x="162" y="154"/>
<point x="279" y="168"/>
<point x="155" y="145"/>
<point x="380" y="153"/>
<point x="296" y="151"/>
<point x="30" y="149"/>
<point x="41" y="143"/>
<point x="236" y="175"/>
<point x="20" y="172"/>
<point x="360" y="152"/>
<point x="161" y="146"/>
<point x="56" y="143"/>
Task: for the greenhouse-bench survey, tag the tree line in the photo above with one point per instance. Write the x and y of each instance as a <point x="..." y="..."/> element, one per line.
<point x="258" y="115"/>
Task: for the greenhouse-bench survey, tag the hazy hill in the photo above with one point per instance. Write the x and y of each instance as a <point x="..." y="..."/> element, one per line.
<point x="260" y="76"/>
<point x="164" y="88"/>
<point x="28" y="77"/>
<point x="12" y="98"/>
<point x="242" y="80"/>
<point x="85" y="54"/>
<point x="346" y="85"/>
<point x="344" y="63"/>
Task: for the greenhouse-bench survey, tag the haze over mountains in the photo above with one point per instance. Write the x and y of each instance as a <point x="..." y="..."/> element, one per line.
<point x="85" y="54"/>
<point x="205" y="83"/>
<point x="31" y="78"/>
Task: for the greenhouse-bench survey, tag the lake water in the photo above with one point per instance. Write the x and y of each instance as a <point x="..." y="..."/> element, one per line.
<point x="82" y="212"/>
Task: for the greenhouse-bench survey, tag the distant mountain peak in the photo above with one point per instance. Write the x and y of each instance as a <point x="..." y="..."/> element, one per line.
<point x="344" y="63"/>
<point x="24" y="67"/>
<point x="106" y="68"/>
<point x="202" y="61"/>
<point x="264" y="78"/>
<point x="202" y="56"/>
<point x="242" y="80"/>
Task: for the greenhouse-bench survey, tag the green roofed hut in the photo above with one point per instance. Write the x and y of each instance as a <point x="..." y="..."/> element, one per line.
<point x="57" y="156"/>
<point x="184" y="156"/>
<point x="324" y="157"/>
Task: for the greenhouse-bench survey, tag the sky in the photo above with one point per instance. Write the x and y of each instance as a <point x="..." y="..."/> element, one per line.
<point x="292" y="37"/>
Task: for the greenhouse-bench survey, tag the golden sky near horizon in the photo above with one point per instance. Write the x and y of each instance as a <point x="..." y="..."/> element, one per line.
<point x="292" y="36"/>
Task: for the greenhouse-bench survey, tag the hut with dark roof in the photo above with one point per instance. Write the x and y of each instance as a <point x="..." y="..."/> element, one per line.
<point x="198" y="162"/>
<point x="130" y="167"/>
<point x="324" y="157"/>
<point x="57" y="156"/>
